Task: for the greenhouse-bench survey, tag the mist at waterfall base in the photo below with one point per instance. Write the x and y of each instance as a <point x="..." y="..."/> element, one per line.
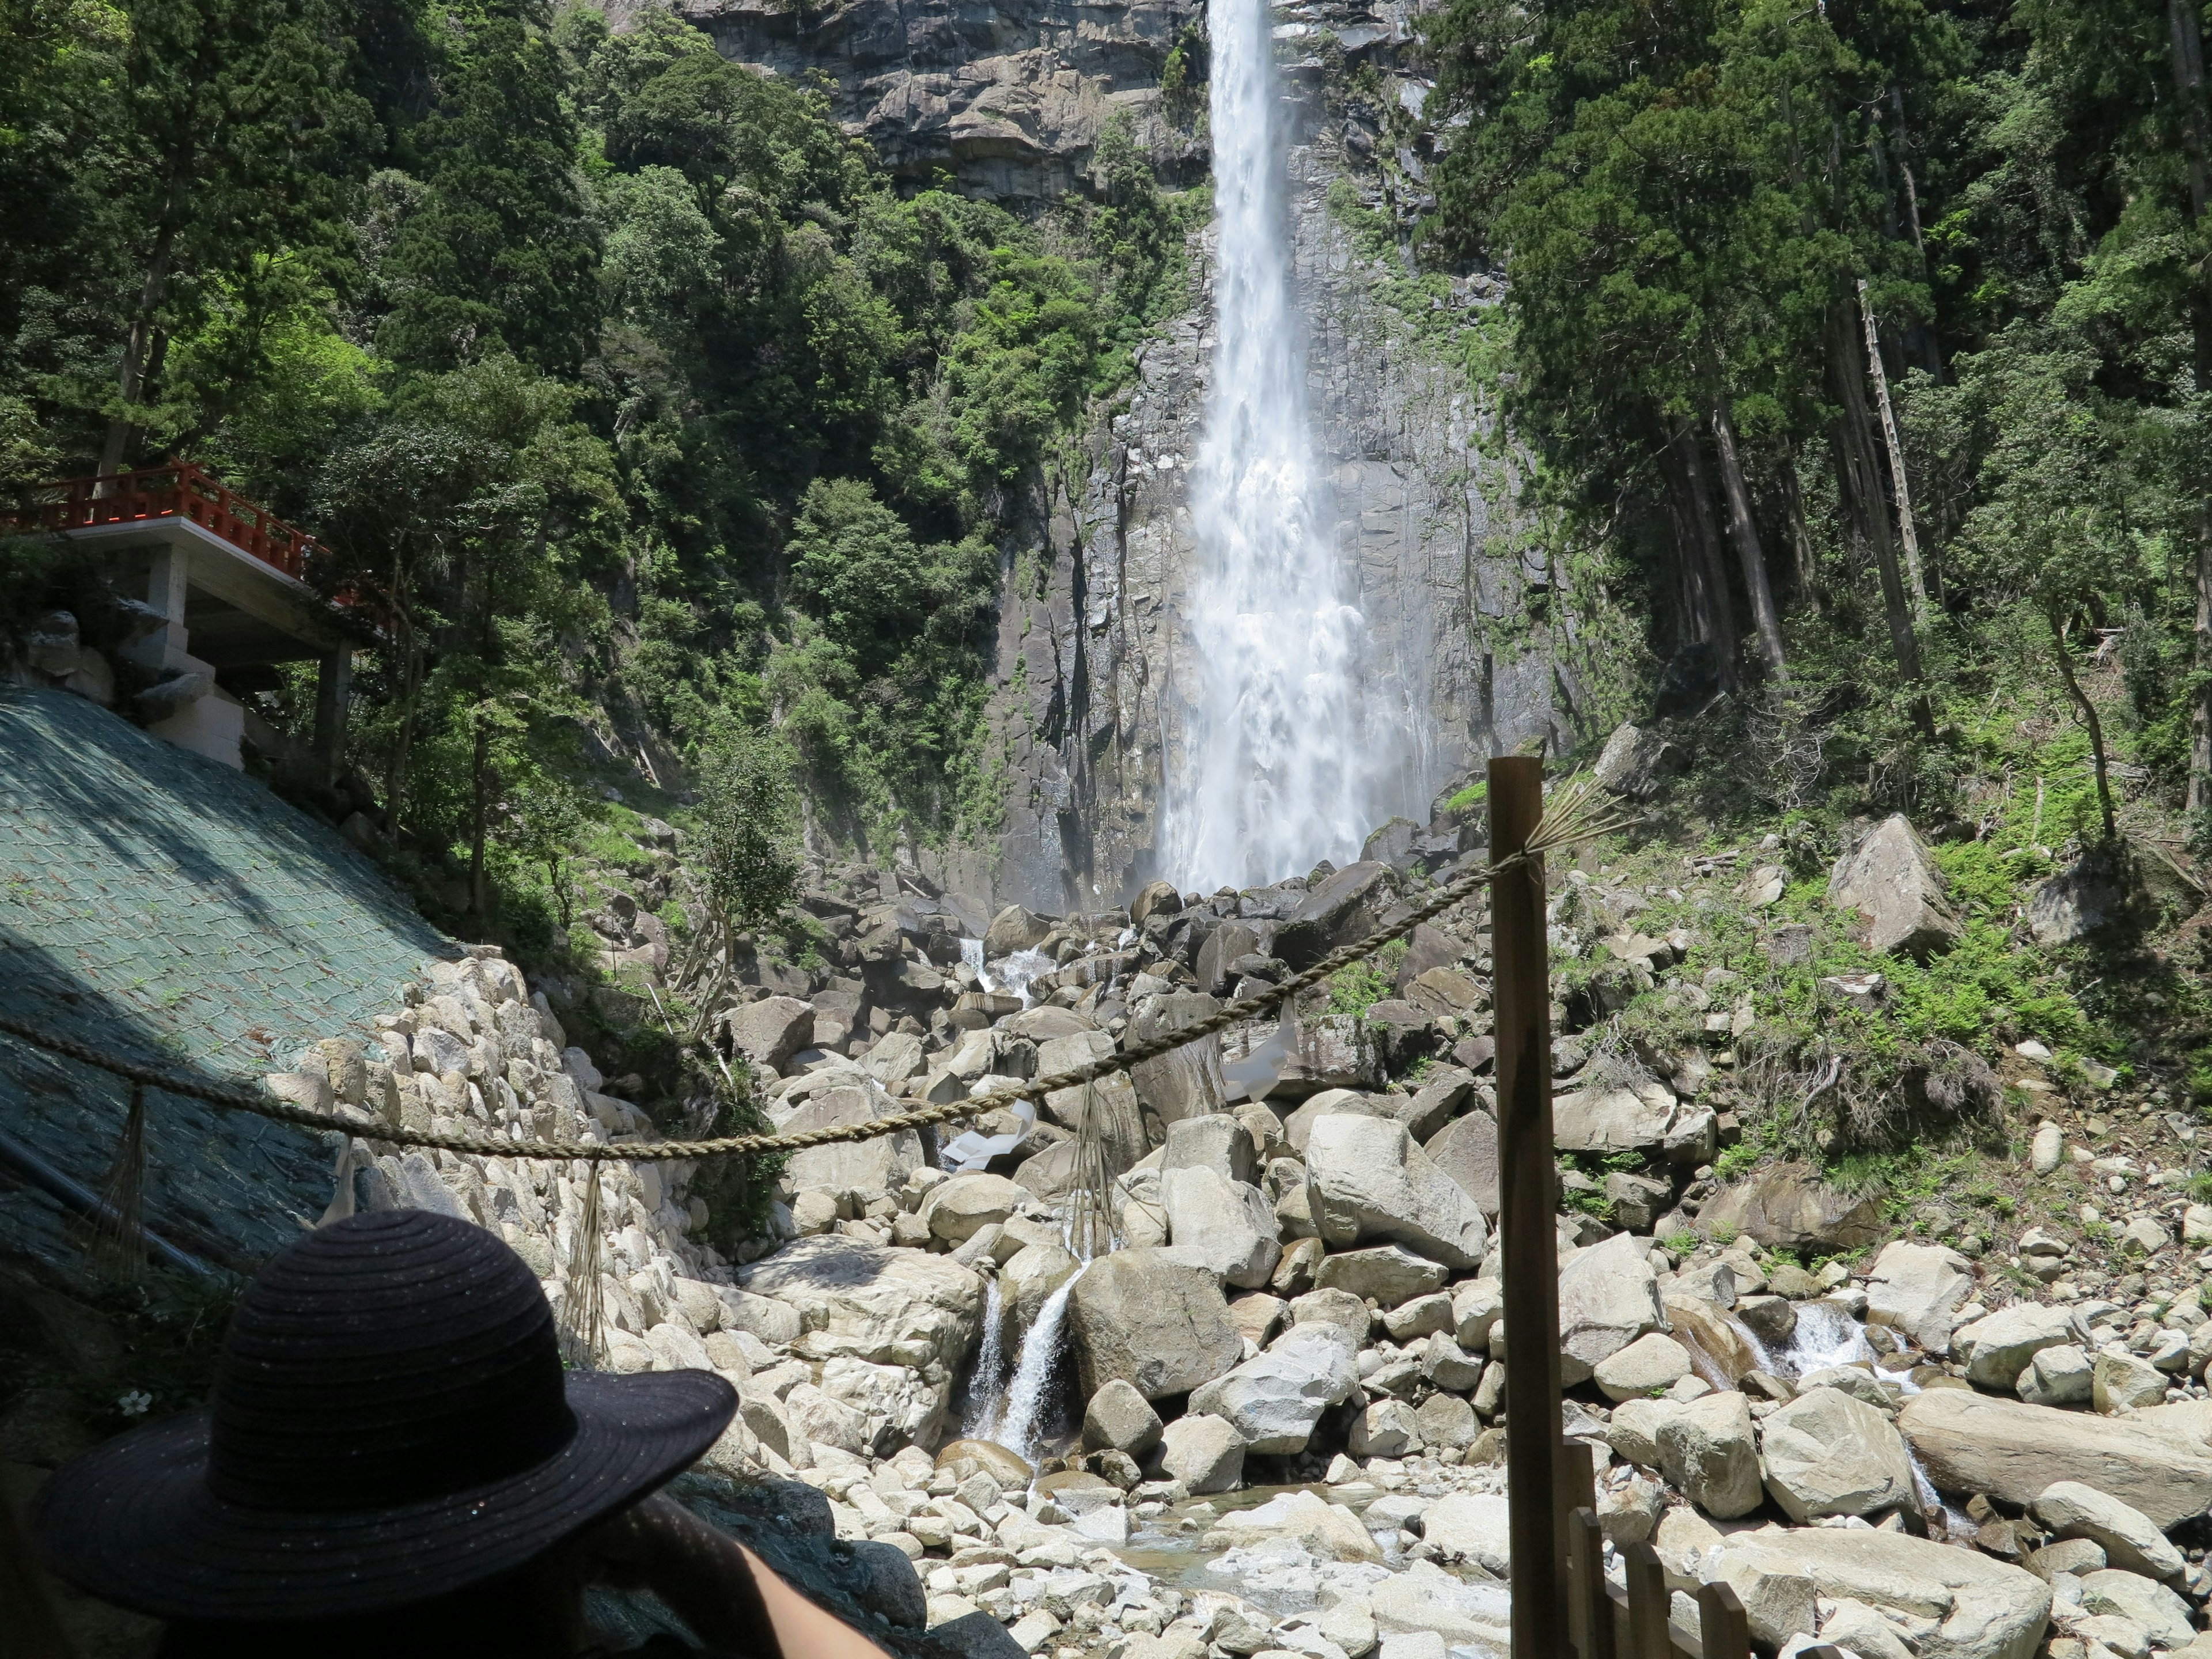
<point x="1281" y="766"/>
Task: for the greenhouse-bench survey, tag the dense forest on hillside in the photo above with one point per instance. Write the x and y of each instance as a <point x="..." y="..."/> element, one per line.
<point x="1868" y="344"/>
<point x="625" y="392"/>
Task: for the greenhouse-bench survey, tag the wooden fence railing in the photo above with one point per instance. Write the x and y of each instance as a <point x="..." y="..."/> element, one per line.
<point x="177" y="489"/>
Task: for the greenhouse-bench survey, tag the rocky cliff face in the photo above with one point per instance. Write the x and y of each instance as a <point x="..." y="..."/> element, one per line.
<point x="1093" y="663"/>
<point x="1011" y="98"/>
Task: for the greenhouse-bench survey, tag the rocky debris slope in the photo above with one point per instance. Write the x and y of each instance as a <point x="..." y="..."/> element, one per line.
<point x="1276" y="1423"/>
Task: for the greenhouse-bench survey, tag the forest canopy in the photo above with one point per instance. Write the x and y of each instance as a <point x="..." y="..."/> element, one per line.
<point x="629" y="396"/>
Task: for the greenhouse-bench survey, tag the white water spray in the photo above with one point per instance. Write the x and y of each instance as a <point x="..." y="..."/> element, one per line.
<point x="986" y="1383"/>
<point x="1277" y="770"/>
<point x="1030" y="1395"/>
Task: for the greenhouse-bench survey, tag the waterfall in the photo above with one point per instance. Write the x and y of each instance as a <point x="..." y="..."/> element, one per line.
<point x="987" y="1382"/>
<point x="1276" y="771"/>
<point x="1028" y="1396"/>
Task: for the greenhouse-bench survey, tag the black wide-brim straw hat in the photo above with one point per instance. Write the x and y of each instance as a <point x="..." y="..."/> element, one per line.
<point x="390" y="1421"/>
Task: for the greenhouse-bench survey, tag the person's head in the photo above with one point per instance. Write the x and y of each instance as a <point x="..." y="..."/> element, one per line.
<point x="393" y="1444"/>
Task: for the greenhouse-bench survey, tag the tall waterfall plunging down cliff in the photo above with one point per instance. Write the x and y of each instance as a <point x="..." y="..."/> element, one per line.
<point x="1278" y="768"/>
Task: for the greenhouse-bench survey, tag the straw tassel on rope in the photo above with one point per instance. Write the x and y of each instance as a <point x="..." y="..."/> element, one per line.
<point x="119" y="1240"/>
<point x="582" y="1314"/>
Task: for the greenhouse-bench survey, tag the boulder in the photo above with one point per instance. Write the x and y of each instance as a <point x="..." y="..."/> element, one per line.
<point x="1322" y="1528"/>
<point x="1894" y="885"/>
<point x="1705" y="1446"/>
<point x="1465" y="1149"/>
<point x="1971" y="1442"/>
<point x="1637" y="761"/>
<point x="958" y="1209"/>
<point x="895" y="1056"/>
<point x="1297" y="1127"/>
<point x="1274" y="1398"/>
<point x="1608" y="1297"/>
<point x="1649" y="1121"/>
<point x="2163" y="1615"/>
<point x="1857" y="1628"/>
<point x="1119" y="1419"/>
<point x="1338" y="1308"/>
<point x="1787" y="1206"/>
<point x="2068" y="1508"/>
<point x="2064" y="1375"/>
<point x="1471" y="1526"/>
<point x="1343" y="907"/>
<point x="1151" y="1322"/>
<point x="1916" y="1290"/>
<point x="877" y="1164"/>
<point x="1014" y="929"/>
<point x="1388" y="1274"/>
<point x="1958" y="1603"/>
<point x="1388" y="1428"/>
<point x="1156" y="895"/>
<point x="1229" y="1223"/>
<point x="893" y="1307"/>
<point x="1997" y="1346"/>
<point x="1425" y="1600"/>
<point x="1777" y="1604"/>
<point x="773" y="1030"/>
<point x="1446" y="1420"/>
<point x="1827" y="1454"/>
<point x="2118" y="1382"/>
<point x="1366" y="1180"/>
<point x="1186" y="1081"/>
<point x="1206" y="1454"/>
<point x="1651" y="1364"/>
<point x="1219" y="1141"/>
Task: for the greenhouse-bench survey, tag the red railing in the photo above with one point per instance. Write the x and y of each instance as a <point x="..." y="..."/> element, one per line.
<point x="179" y="489"/>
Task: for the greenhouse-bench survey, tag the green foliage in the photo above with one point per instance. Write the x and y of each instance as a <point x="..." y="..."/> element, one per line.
<point x="748" y="814"/>
<point x="1355" y="989"/>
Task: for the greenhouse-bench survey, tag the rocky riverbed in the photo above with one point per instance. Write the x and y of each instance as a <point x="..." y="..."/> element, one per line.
<point x="1268" y="1420"/>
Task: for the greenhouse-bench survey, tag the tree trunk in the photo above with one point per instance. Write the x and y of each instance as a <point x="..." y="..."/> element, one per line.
<point x="479" y="814"/>
<point x="1744" y="532"/>
<point x="1915" y="581"/>
<point x="1804" y="573"/>
<point x="138" y="339"/>
<point x="1858" y="477"/>
<point x="2088" y="713"/>
<point x="2188" y="50"/>
<point x="1701" y="558"/>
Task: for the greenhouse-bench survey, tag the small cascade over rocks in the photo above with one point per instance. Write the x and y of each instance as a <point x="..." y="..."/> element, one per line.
<point x="1039" y="1375"/>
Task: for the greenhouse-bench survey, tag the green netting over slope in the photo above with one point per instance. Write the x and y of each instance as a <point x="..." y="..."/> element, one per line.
<point x="166" y="908"/>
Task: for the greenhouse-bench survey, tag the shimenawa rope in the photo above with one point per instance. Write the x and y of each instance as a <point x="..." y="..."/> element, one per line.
<point x="1573" y="816"/>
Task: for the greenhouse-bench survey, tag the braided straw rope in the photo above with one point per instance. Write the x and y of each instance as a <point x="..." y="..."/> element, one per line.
<point x="1575" y="815"/>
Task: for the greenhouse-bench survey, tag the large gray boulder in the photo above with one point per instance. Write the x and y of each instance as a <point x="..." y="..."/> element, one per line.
<point x="1213" y="1140"/>
<point x="1014" y="929"/>
<point x="1186" y="1081"/>
<point x="1344" y="907"/>
<point x="1917" y="1290"/>
<point x="1608" y="1297"/>
<point x="1154" y="1322"/>
<point x="1827" y="1454"/>
<point x="2068" y="1508"/>
<point x="1229" y="1225"/>
<point x="1119" y="1419"/>
<point x="1388" y="1274"/>
<point x="1031" y="1274"/>
<point x="1637" y="761"/>
<point x="1997" y="1346"/>
<point x="1366" y="1180"/>
<point x="1649" y="1121"/>
<point x="2123" y="1595"/>
<point x="892" y="1307"/>
<point x="875" y="1166"/>
<point x="1274" y="1398"/>
<point x="1471" y="1526"/>
<point x="1958" y="1603"/>
<point x="773" y="1030"/>
<point x="957" y="1210"/>
<point x="1894" y="885"/>
<point x="1465" y="1149"/>
<point x="1205" y="1453"/>
<point x="1706" y="1447"/>
<point x="1973" y="1442"/>
<point x="1787" y="1206"/>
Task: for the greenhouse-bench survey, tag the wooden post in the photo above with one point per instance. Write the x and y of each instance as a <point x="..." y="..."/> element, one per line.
<point x="1723" y="1631"/>
<point x="1527" y="1205"/>
<point x="1593" y="1607"/>
<point x="1648" y="1599"/>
